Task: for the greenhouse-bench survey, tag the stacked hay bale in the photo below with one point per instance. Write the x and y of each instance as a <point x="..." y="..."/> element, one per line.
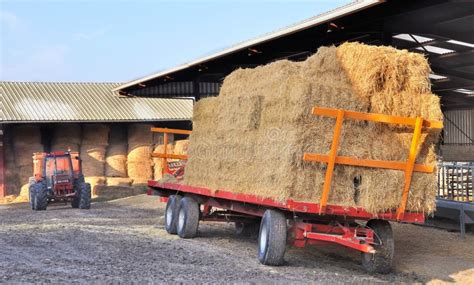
<point x="26" y="141"/>
<point x="251" y="138"/>
<point x="94" y="143"/>
<point x="140" y="146"/>
<point x="160" y="148"/>
<point x="116" y="157"/>
<point x="66" y="136"/>
<point x="12" y="180"/>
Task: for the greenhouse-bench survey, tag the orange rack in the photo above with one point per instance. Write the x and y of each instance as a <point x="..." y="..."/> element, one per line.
<point x="165" y="155"/>
<point x="409" y="166"/>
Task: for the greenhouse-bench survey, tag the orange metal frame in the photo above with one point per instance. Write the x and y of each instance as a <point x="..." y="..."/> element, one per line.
<point x="165" y="155"/>
<point x="408" y="167"/>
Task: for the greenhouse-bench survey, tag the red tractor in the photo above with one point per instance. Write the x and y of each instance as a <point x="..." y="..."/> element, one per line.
<point x="58" y="178"/>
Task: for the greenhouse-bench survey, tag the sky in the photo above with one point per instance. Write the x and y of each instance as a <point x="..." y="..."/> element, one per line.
<point x="118" y="41"/>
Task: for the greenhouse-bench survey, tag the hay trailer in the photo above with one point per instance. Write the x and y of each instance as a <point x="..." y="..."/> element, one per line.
<point x="296" y="222"/>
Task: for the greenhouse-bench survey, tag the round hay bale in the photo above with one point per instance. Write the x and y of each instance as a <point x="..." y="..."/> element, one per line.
<point x="119" y="181"/>
<point x="24" y="153"/>
<point x="95" y="134"/>
<point x="93" y="160"/>
<point x="24" y="173"/>
<point x="139" y="152"/>
<point x="140" y="134"/>
<point x="118" y="134"/>
<point x="28" y="134"/>
<point x="116" y="160"/>
<point x="181" y="147"/>
<point x="67" y="134"/>
<point x="140" y="182"/>
<point x="65" y="146"/>
<point x="140" y="170"/>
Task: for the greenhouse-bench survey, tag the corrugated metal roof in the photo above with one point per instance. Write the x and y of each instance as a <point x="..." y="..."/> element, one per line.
<point x="311" y="22"/>
<point x="83" y="102"/>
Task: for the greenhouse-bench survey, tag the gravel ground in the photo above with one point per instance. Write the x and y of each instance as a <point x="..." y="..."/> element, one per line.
<point x="124" y="241"/>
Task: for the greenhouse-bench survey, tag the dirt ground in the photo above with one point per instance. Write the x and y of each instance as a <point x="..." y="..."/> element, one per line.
<point x="124" y="241"/>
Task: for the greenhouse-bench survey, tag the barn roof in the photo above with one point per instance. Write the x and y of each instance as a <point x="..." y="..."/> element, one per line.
<point x="83" y="102"/>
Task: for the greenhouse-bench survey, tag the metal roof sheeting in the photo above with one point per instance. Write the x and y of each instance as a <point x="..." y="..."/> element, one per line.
<point x="313" y="21"/>
<point x="83" y="102"/>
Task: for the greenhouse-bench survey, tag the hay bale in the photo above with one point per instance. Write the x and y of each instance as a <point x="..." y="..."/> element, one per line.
<point x="93" y="160"/>
<point x="26" y="134"/>
<point x="65" y="146"/>
<point x="264" y="125"/>
<point x="119" y="181"/>
<point x="95" y="134"/>
<point x="158" y="162"/>
<point x="116" y="160"/>
<point x="181" y="147"/>
<point x="140" y="171"/>
<point x="140" y="134"/>
<point x="139" y="152"/>
<point x="95" y="182"/>
<point x="24" y="153"/>
<point x="118" y="134"/>
<point x="66" y="134"/>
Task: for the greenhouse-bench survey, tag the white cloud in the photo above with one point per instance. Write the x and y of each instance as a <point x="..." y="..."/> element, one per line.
<point x="91" y="35"/>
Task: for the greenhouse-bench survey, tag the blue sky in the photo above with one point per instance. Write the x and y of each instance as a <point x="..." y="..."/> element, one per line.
<point x="117" y="41"/>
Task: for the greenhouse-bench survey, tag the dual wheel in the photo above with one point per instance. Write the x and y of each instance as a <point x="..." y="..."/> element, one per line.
<point x="182" y="218"/>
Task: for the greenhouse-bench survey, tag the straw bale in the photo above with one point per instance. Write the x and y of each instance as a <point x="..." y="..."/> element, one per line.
<point x="65" y="146"/>
<point x="158" y="162"/>
<point x="265" y="125"/>
<point x="116" y="160"/>
<point x="119" y="181"/>
<point x="140" y="171"/>
<point x="26" y="134"/>
<point x="140" y="134"/>
<point x="95" y="134"/>
<point x="67" y="134"/>
<point x="93" y="160"/>
<point x="118" y="134"/>
<point x="95" y="182"/>
<point x="139" y="152"/>
<point x="24" y="153"/>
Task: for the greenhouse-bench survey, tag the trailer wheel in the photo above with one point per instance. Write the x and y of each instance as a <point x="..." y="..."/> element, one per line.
<point x="272" y="238"/>
<point x="171" y="214"/>
<point x="40" y="196"/>
<point x="188" y="218"/>
<point x="85" y="197"/>
<point x="381" y="260"/>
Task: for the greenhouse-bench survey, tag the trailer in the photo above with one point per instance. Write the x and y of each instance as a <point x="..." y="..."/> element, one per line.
<point x="297" y="223"/>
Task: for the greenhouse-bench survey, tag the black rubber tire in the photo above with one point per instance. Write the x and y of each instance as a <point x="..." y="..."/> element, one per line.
<point x="31" y="191"/>
<point x="85" y="198"/>
<point x="247" y="229"/>
<point x="77" y="191"/>
<point x="188" y="218"/>
<point x="41" y="196"/>
<point x="272" y="238"/>
<point x="381" y="260"/>
<point x="171" y="214"/>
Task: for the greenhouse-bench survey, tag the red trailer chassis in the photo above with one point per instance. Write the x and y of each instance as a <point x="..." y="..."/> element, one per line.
<point x="306" y="225"/>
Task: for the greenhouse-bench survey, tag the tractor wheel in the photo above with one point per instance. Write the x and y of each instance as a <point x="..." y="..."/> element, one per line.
<point x="188" y="218"/>
<point x="31" y="191"/>
<point x="272" y="238"/>
<point x="77" y="191"/>
<point x="85" y="198"/>
<point x="40" y="196"/>
<point x="381" y="260"/>
<point x="171" y="214"/>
